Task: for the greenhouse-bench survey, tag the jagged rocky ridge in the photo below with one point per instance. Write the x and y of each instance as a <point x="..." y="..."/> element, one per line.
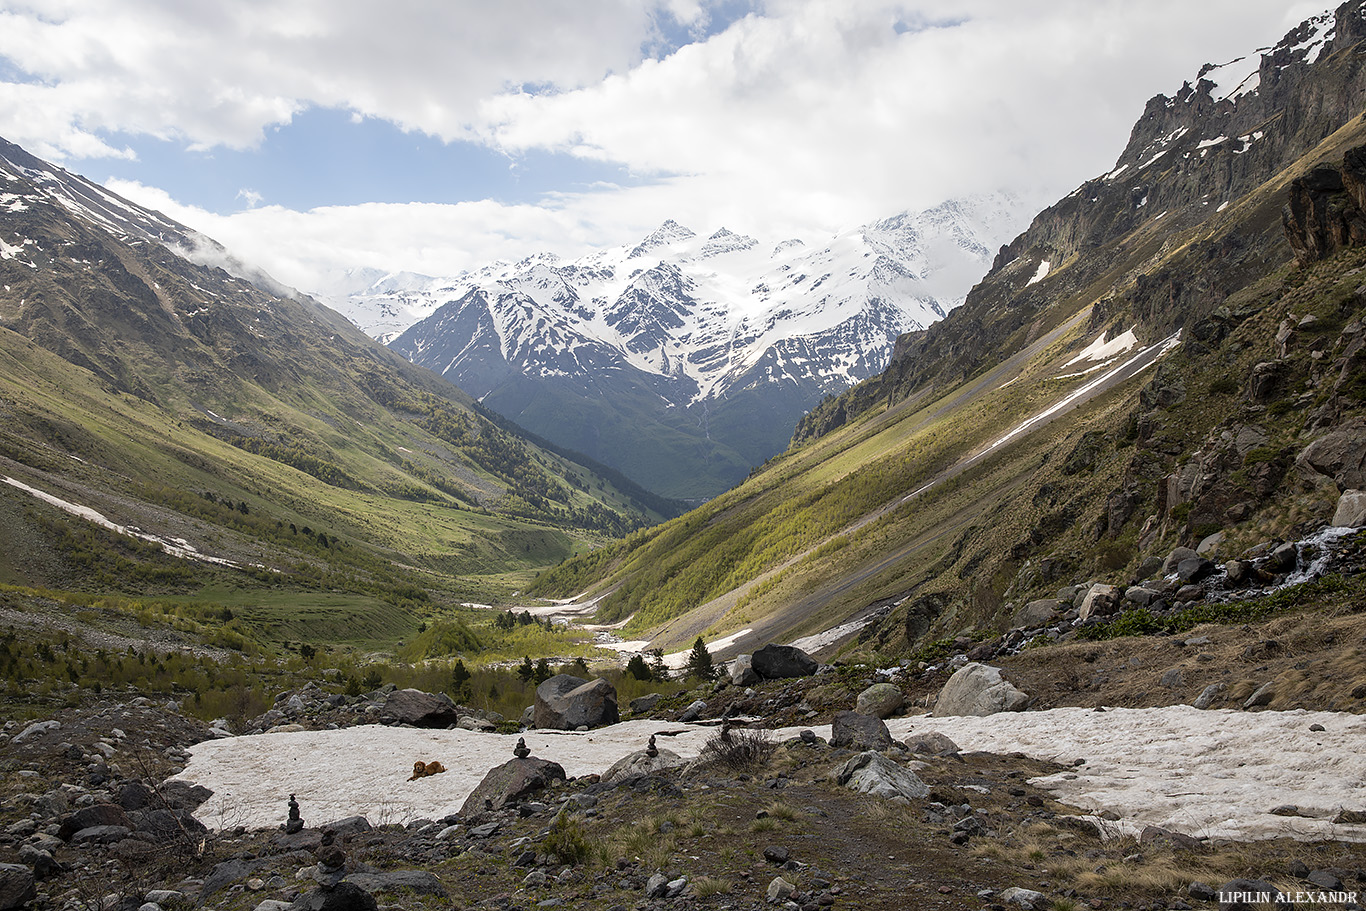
<point x="1189" y="158"/>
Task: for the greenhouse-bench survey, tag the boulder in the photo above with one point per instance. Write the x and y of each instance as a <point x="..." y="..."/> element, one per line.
<point x="343" y="896"/>
<point x="742" y="671"/>
<point x="1208" y="695"/>
<point x="17" y="887"/>
<point x="641" y="763"/>
<point x="1351" y="510"/>
<point x="862" y="732"/>
<point x="1036" y="613"/>
<point x="419" y="882"/>
<point x="979" y="689"/>
<point x="646" y="703"/>
<point x="932" y="743"/>
<point x="1175" y="557"/>
<point x="510" y="782"/>
<point x="421" y="710"/>
<point x="1195" y="569"/>
<point x="1026" y="898"/>
<point x="475" y="723"/>
<point x="1246" y="894"/>
<point x="1339" y="455"/>
<point x="1100" y="601"/>
<point x="566" y="703"/>
<point x="881" y="700"/>
<point x="183" y="795"/>
<point x="773" y="662"/>
<point x="101" y="814"/>
<point x="873" y="773"/>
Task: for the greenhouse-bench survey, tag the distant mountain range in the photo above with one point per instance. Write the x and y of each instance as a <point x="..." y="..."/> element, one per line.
<point x="685" y="360"/>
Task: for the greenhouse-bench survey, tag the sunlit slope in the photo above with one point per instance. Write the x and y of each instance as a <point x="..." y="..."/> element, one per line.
<point x="904" y="501"/>
<point x="266" y="431"/>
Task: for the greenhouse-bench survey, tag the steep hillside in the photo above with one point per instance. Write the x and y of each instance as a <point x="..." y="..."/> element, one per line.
<point x="229" y="436"/>
<point x="1148" y="364"/>
<point x="684" y="360"/>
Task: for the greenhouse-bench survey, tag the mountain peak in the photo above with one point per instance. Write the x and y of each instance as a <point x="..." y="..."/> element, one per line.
<point x="667" y="233"/>
<point x="727" y="241"/>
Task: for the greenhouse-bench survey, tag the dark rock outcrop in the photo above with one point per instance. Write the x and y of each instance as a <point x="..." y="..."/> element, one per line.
<point x="421" y="710"/>
<point x="510" y="782"/>
<point x="566" y="703"/>
<point x="774" y="662"/>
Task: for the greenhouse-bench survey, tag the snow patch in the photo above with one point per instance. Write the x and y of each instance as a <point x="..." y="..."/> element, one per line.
<point x="1041" y="273"/>
<point x="1206" y="773"/>
<point x="1102" y="350"/>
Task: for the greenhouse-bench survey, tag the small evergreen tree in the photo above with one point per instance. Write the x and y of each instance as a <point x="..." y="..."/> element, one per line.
<point x="460" y="682"/>
<point x="542" y="672"/>
<point x="638" y="669"/>
<point x="526" y="670"/>
<point x="658" y="669"/>
<point x="699" y="661"/>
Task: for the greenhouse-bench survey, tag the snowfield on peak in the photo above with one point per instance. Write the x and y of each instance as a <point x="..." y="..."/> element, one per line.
<point x="705" y="309"/>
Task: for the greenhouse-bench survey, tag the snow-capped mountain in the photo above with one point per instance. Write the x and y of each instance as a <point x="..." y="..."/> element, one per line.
<point x="697" y="325"/>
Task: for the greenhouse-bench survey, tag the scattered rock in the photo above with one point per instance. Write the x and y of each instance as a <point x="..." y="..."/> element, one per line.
<point x="1262" y="696"/>
<point x="979" y="689"/>
<point x="1201" y="891"/>
<point x="862" y="732"/>
<point x="1351" y="509"/>
<point x="881" y="700"/>
<point x="1209" y="695"/>
<point x="1100" y="601"/>
<point x="17" y="887"/>
<point x="693" y="711"/>
<point x="1026" y="898"/>
<point x="873" y="773"/>
<point x="780" y="890"/>
<point x="1246" y="894"/>
<point x="932" y="743"/>
<point x="641" y="763"/>
<point x="742" y="671"/>
<point x="343" y="896"/>
<point x="773" y="662"/>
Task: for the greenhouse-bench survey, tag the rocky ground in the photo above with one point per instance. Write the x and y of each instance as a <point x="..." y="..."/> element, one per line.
<point x="85" y="820"/>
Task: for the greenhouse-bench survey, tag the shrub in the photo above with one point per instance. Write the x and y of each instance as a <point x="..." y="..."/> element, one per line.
<point x="740" y="750"/>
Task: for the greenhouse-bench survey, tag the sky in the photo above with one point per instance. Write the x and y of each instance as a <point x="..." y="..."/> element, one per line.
<point x="313" y="137"/>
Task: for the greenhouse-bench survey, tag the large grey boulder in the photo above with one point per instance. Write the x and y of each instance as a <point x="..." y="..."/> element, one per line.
<point x="566" y="703"/>
<point x="881" y="700"/>
<point x="510" y="782"/>
<point x="17" y="887"/>
<point x="1036" y="613"/>
<point x="1101" y="600"/>
<point x="773" y="662"/>
<point x="933" y="743"/>
<point x="1340" y="455"/>
<point x="873" y="773"/>
<point x="862" y="732"/>
<point x="641" y="763"/>
<point x="979" y="689"/>
<point x="421" y="710"/>
<point x="1351" y="511"/>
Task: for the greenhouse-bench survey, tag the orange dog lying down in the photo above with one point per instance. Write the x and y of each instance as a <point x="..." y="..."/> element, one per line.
<point x="423" y="769"/>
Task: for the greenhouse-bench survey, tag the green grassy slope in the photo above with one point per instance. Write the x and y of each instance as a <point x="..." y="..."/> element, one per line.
<point x="826" y="530"/>
<point x="281" y="444"/>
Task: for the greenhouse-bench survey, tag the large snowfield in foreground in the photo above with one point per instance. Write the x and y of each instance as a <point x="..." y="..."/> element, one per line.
<point x="1205" y="773"/>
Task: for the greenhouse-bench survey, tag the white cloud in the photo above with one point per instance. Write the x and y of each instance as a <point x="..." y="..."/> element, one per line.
<point x="801" y="119"/>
